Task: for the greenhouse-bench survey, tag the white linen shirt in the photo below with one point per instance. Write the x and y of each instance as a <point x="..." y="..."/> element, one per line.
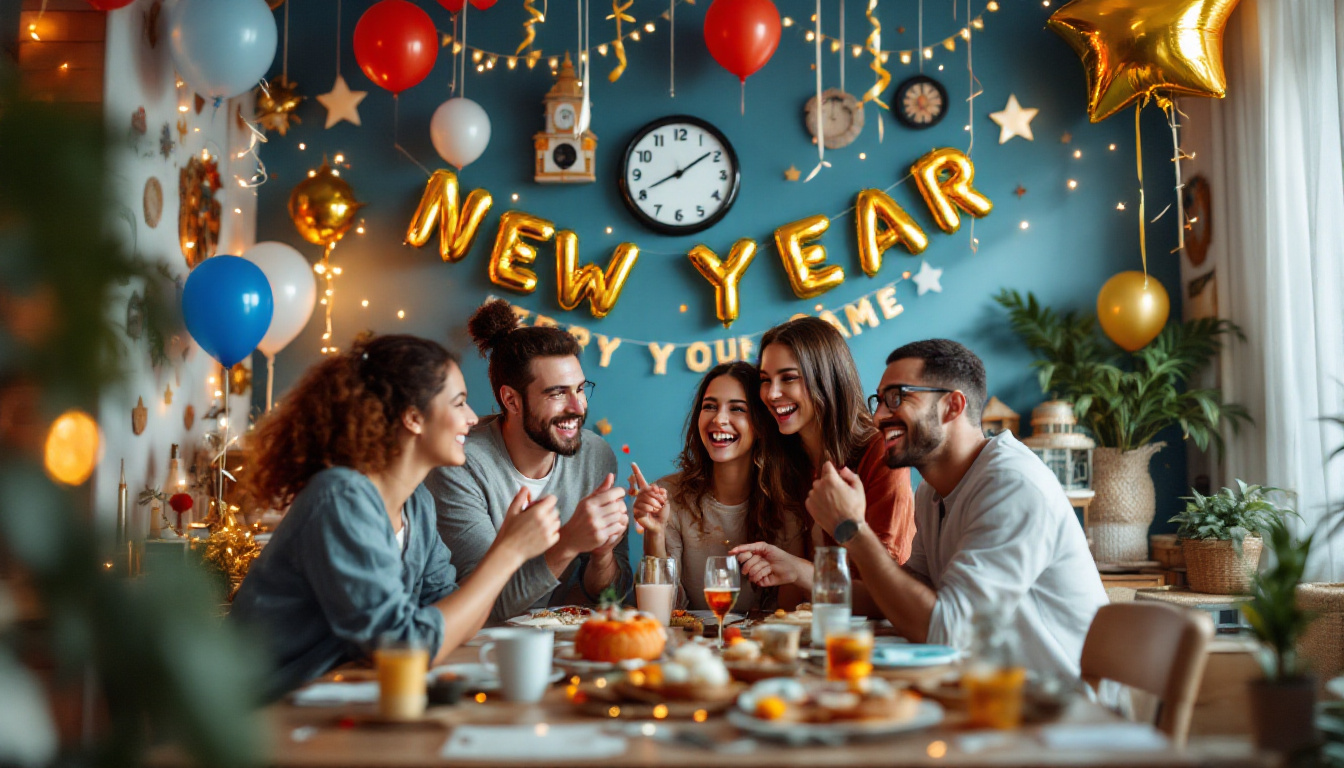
<point x="1009" y="538"/>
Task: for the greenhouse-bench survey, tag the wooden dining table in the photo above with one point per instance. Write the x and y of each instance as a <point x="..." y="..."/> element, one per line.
<point x="349" y="736"/>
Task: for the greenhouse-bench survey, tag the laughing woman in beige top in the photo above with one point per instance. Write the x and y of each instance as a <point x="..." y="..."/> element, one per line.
<point x="715" y="501"/>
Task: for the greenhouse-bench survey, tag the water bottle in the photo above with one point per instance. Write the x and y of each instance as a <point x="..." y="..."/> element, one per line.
<point x="830" y="593"/>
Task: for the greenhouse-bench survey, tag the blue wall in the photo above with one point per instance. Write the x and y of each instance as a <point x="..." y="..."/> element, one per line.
<point x="1076" y="240"/>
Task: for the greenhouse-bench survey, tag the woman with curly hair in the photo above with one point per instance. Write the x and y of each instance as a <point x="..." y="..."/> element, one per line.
<point x="716" y="500"/>
<point x="357" y="559"/>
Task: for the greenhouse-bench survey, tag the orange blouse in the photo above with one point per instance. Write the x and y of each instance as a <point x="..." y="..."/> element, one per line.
<point x="891" y="501"/>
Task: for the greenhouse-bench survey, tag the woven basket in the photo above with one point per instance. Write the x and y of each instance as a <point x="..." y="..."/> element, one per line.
<point x="1125" y="503"/>
<point x="1214" y="567"/>
<point x="1322" y="645"/>
<point x="1167" y="550"/>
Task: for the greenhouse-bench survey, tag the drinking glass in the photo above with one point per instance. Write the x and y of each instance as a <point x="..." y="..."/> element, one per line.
<point x="656" y="587"/>
<point x="849" y="654"/>
<point x="722" y="583"/>
<point x="831" y="593"/>
<point x="403" y="670"/>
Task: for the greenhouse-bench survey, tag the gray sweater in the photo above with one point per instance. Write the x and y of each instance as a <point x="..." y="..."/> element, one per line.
<point x="472" y="500"/>
<point x="332" y="580"/>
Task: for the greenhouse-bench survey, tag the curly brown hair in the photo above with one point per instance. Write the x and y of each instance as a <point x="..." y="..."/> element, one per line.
<point x="344" y="412"/>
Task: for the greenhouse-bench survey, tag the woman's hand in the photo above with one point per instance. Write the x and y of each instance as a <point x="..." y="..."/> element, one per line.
<point x="769" y="566"/>
<point x="529" y="528"/>
<point x="650" y="503"/>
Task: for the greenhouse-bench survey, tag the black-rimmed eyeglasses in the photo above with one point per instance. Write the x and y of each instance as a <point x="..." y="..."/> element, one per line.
<point x="892" y="396"/>
<point x="584" y="390"/>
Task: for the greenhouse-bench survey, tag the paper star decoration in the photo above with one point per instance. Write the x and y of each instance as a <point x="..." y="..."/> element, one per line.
<point x="927" y="279"/>
<point x="792" y="174"/>
<point x="1014" y="120"/>
<point x="342" y="103"/>
<point x="1132" y="49"/>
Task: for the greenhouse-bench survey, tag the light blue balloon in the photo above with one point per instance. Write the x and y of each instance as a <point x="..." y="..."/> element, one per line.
<point x="227" y="305"/>
<point x="222" y="48"/>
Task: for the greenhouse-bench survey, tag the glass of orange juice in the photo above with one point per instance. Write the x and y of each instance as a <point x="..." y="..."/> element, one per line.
<point x="994" y="696"/>
<point x="403" y="670"/>
<point x="849" y="653"/>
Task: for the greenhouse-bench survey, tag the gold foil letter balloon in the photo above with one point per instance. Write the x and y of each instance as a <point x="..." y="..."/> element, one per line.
<point x="1132" y="308"/>
<point x="724" y="276"/>
<point x="874" y="210"/>
<point x="945" y="195"/>
<point x="1132" y="49"/>
<point x="458" y="224"/>
<point x="806" y="266"/>
<point x="510" y="250"/>
<point x="323" y="207"/>
<point x="575" y="283"/>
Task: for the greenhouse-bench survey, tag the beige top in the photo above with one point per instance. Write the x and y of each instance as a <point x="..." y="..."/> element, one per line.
<point x="722" y="527"/>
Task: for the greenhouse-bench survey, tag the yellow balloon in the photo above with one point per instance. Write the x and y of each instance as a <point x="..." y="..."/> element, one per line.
<point x="458" y="223"/>
<point x="1132" y="308"/>
<point x="806" y="266"/>
<point x="575" y="283"/>
<point x="1134" y="49"/>
<point x="510" y="251"/>
<point x="323" y="207"/>
<point x="73" y="447"/>
<point x="945" y="195"/>
<point x="724" y="275"/>
<point x="874" y="210"/>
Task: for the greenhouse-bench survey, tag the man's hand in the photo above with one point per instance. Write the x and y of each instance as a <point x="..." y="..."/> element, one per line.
<point x="836" y="496"/>
<point x="599" y="520"/>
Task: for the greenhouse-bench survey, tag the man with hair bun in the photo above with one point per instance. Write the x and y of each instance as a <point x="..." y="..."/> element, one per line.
<point x="536" y="444"/>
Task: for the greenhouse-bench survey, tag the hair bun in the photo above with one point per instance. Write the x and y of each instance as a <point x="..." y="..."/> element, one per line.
<point x="492" y="322"/>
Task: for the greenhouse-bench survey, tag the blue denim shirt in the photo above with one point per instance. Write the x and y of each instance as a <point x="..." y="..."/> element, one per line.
<point x="333" y="581"/>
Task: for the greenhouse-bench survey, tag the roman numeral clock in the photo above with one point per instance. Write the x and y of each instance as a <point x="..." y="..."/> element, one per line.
<point x="680" y="175"/>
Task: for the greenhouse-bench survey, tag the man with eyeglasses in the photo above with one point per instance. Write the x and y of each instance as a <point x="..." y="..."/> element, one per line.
<point x="993" y="528"/>
<point x="536" y="445"/>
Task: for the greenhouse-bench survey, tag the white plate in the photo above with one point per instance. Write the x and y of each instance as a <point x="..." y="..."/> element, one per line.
<point x="527" y="619"/>
<point x="482" y="677"/>
<point x="927" y="715"/>
<point x="567" y="658"/>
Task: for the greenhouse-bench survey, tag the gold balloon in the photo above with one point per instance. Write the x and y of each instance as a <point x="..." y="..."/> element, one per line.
<point x="73" y="447"/>
<point x="323" y="207"/>
<point x="458" y="224"/>
<point x="805" y="266"/>
<point x="1134" y="49"/>
<point x="724" y="276"/>
<point x="575" y="283"/>
<point x="276" y="104"/>
<point x="1132" y="308"/>
<point x="510" y="250"/>
<point x="945" y="195"/>
<point x="875" y="209"/>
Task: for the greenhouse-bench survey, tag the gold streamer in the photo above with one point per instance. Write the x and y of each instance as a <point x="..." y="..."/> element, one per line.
<point x="529" y="34"/>
<point x="618" y="12"/>
<point x="874" y="46"/>
<point x="1138" y="152"/>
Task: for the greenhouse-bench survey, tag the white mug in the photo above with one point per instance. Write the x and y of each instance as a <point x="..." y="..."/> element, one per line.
<point x="523" y="661"/>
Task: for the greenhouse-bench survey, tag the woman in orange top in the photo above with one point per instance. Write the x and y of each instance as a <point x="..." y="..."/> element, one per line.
<point x="811" y="386"/>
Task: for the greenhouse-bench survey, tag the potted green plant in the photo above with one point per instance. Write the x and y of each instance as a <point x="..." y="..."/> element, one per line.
<point x="1221" y="536"/>
<point x="1125" y="401"/>
<point x="1282" y="703"/>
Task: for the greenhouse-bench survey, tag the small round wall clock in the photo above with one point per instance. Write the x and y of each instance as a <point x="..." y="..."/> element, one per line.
<point x="841" y="117"/>
<point x="1198" y="218"/>
<point x="680" y="175"/>
<point x="920" y="102"/>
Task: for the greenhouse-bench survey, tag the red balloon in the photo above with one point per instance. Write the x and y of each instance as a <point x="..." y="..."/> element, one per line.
<point x="742" y="35"/>
<point x="481" y="5"/>
<point x="453" y="6"/>
<point x="109" y="5"/>
<point x="396" y="44"/>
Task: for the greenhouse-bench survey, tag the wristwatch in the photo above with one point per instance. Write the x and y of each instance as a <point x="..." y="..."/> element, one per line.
<point x="845" y="531"/>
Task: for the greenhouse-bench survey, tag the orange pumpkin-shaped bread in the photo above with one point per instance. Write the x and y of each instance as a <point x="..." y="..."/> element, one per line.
<point x="620" y="636"/>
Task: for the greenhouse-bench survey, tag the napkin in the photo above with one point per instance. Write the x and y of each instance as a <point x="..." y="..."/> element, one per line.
<point x="913" y="655"/>
<point x="1103" y="736"/>
<point x="515" y="742"/>
<point x="335" y="694"/>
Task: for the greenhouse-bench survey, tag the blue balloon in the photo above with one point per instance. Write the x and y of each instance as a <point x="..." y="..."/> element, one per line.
<point x="227" y="306"/>
<point x="222" y="48"/>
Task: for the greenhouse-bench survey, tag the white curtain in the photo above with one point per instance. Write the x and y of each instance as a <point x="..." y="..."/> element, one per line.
<point x="1273" y="151"/>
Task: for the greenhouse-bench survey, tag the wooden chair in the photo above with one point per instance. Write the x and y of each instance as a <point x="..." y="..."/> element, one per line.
<point x="1153" y="647"/>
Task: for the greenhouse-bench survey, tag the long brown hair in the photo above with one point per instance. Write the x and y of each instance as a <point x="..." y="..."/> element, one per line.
<point x="764" y="521"/>
<point x="344" y="412"/>
<point x="833" y="384"/>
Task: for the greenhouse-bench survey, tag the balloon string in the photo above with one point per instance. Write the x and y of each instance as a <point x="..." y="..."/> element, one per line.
<point x="463" y="84"/>
<point x="1138" y="153"/>
<point x="1176" y="157"/>
<point x="970" y="108"/>
<point x="224" y="451"/>
<point x="821" y="103"/>
<point x="672" y="49"/>
<point x="284" y="66"/>
<point x="452" y="84"/>
<point x="742" y="97"/>
<point x="843" y="50"/>
<point x="921" y="37"/>
<point x="338" y="33"/>
<point x="328" y="297"/>
<point x="270" y="382"/>
<point x="396" y="144"/>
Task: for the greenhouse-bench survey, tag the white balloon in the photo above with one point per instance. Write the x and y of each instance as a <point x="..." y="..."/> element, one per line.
<point x="460" y="131"/>
<point x="292" y="286"/>
<point x="222" y="48"/>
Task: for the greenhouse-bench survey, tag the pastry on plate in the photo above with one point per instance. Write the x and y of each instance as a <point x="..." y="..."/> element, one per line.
<point x="684" y="620"/>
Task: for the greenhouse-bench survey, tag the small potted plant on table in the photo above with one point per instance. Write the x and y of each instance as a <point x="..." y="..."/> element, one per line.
<point x="1221" y="536"/>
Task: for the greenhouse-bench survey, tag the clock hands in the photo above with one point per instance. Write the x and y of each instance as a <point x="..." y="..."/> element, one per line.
<point x="693" y="162"/>
<point x="679" y="173"/>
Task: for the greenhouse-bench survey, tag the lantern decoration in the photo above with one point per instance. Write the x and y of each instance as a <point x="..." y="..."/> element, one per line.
<point x="1065" y="450"/>
<point x="998" y="417"/>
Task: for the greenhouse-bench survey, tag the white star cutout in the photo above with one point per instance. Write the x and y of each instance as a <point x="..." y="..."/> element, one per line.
<point x="342" y="103"/>
<point x="1014" y="120"/>
<point x="927" y="279"/>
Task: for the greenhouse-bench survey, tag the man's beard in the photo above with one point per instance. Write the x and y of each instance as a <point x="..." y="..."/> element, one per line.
<point x="922" y="439"/>
<point x="540" y="432"/>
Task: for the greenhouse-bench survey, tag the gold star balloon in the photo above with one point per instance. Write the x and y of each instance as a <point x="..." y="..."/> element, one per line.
<point x="276" y="104"/>
<point x="323" y="207"/>
<point x="1133" y="49"/>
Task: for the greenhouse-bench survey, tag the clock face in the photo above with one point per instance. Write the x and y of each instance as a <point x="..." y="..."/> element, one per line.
<point x="921" y="102"/>
<point x="680" y="175"/>
<point x="841" y="118"/>
<point x="564" y="117"/>
<point x="564" y="156"/>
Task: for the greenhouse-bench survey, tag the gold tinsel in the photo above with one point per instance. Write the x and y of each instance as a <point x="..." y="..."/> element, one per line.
<point x="231" y="548"/>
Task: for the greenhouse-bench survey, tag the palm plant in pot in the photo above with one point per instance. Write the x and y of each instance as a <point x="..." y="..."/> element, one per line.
<point x="1125" y="402"/>
<point x="1221" y="534"/>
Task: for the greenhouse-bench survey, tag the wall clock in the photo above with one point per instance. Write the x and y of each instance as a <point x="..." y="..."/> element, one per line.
<point x="1198" y="218"/>
<point x="920" y="102"/>
<point x="680" y="175"/>
<point x="841" y="116"/>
